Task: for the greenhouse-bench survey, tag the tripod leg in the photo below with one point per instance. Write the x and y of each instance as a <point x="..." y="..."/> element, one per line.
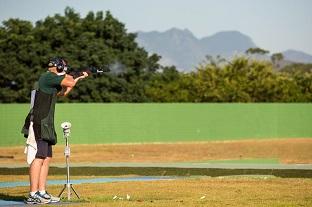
<point x="74" y="191"/>
<point x="62" y="191"/>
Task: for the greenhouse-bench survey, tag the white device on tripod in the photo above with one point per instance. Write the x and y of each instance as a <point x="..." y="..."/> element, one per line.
<point x="66" y="128"/>
<point x="66" y="132"/>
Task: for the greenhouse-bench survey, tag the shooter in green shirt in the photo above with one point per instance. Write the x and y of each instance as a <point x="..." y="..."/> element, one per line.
<point x="39" y="127"/>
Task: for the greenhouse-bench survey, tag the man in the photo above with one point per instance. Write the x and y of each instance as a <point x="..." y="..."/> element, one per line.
<point x="39" y="127"/>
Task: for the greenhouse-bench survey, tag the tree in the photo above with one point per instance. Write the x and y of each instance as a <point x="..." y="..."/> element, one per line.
<point x="169" y="85"/>
<point x="96" y="40"/>
<point x="276" y="58"/>
<point x="256" y="50"/>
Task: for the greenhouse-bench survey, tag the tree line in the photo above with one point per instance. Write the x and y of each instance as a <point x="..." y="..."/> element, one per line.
<point x="99" y="39"/>
<point x="240" y="80"/>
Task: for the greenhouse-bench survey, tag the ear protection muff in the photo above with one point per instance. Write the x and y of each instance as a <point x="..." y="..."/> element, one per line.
<point x="58" y="63"/>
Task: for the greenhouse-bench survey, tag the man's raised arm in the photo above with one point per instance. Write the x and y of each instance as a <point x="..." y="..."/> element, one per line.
<point x="69" y="82"/>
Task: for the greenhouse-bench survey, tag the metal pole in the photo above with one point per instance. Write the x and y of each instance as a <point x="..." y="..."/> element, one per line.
<point x="68" y="185"/>
<point x="67" y="166"/>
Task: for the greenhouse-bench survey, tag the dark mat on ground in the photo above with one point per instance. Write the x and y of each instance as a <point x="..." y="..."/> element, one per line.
<point x="164" y="171"/>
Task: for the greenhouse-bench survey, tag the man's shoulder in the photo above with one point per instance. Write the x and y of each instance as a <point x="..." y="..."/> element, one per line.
<point x="50" y="76"/>
<point x="50" y="80"/>
<point x="46" y="75"/>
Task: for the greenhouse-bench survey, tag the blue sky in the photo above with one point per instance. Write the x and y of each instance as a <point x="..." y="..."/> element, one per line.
<point x="275" y="25"/>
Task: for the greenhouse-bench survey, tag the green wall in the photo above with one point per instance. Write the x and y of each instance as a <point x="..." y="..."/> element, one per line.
<point x="128" y="123"/>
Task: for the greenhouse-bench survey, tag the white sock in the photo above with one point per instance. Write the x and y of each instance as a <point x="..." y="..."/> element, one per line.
<point x="42" y="192"/>
<point x="32" y="193"/>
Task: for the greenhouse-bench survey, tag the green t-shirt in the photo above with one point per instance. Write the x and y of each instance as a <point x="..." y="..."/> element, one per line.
<point x="50" y="82"/>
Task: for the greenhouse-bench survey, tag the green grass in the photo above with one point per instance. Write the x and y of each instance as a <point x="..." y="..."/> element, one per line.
<point x="198" y="191"/>
<point x="129" y="123"/>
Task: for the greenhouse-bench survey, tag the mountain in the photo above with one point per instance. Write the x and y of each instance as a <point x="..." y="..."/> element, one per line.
<point x="177" y="47"/>
<point x="226" y="43"/>
<point x="181" y="48"/>
<point x="297" y="56"/>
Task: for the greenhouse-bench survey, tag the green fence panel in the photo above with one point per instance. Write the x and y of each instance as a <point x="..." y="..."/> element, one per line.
<point x="154" y="122"/>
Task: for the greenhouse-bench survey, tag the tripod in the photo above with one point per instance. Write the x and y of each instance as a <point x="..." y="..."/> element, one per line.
<point x="66" y="131"/>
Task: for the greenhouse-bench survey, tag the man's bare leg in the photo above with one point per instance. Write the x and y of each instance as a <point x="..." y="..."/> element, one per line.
<point x="44" y="174"/>
<point x="34" y="173"/>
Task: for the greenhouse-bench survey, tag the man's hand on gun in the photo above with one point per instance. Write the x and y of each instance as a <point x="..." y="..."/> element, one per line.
<point x="84" y="75"/>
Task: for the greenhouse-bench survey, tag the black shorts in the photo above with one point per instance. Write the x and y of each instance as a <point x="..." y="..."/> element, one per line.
<point x="44" y="149"/>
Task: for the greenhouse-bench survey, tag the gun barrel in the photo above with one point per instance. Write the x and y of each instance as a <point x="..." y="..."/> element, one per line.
<point x="90" y="70"/>
<point x="99" y="71"/>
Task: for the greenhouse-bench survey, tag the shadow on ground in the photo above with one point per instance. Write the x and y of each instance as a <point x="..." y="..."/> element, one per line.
<point x="7" y="197"/>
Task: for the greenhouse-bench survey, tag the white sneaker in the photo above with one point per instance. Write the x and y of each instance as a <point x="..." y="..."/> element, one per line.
<point x="50" y="197"/>
<point x="37" y="199"/>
